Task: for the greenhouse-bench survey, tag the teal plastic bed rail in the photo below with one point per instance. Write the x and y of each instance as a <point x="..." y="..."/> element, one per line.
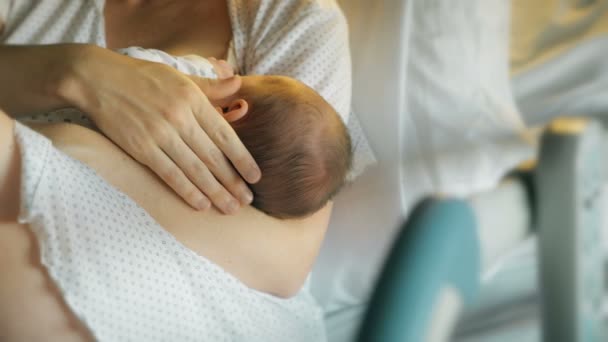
<point x="437" y="249"/>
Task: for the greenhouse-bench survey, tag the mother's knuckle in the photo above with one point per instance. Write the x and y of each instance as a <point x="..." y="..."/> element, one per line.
<point x="158" y="131"/>
<point x="171" y="108"/>
<point x="187" y="92"/>
<point x="170" y="174"/>
<point x="223" y="136"/>
<point x="175" y="116"/>
<point x="197" y="168"/>
<point x="137" y="145"/>
<point x="234" y="182"/>
<point x="215" y="192"/>
<point x="214" y="158"/>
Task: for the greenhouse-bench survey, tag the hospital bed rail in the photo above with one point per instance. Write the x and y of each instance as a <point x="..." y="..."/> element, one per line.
<point x="434" y="269"/>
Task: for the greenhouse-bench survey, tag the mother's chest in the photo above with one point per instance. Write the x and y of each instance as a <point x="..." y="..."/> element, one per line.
<point x="178" y="27"/>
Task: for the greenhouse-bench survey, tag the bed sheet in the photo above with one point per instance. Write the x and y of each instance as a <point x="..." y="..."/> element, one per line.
<point x="423" y="73"/>
<point x="344" y="273"/>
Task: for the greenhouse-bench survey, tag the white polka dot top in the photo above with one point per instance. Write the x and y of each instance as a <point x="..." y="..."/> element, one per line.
<point x="128" y="279"/>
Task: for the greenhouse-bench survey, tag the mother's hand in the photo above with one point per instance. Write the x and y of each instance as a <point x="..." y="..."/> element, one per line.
<point x="167" y="121"/>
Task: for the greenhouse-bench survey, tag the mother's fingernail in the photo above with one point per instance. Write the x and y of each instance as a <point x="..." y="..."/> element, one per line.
<point x="231" y="206"/>
<point x="246" y="196"/>
<point x="253" y="175"/>
<point x="203" y="204"/>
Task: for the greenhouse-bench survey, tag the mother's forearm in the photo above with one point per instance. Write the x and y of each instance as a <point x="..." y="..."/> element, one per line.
<point x="34" y="78"/>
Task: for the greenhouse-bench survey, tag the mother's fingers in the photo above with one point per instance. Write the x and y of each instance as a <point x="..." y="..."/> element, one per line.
<point x="220" y="167"/>
<point x="171" y="174"/>
<point x="196" y="169"/>
<point x="225" y="138"/>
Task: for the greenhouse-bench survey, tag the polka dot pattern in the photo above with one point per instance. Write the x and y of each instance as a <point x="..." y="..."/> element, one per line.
<point x="303" y="39"/>
<point x="126" y="277"/>
<point x="54" y="21"/>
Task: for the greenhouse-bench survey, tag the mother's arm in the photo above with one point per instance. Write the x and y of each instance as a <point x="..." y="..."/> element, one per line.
<point x="163" y="118"/>
<point x="265" y="253"/>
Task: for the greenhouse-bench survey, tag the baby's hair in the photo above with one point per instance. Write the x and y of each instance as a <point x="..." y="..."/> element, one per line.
<point x="300" y="143"/>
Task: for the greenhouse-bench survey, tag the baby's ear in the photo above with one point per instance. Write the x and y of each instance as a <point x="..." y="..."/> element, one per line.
<point x="236" y="110"/>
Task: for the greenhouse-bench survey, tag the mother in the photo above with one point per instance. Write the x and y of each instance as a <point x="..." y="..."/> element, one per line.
<point x="157" y="115"/>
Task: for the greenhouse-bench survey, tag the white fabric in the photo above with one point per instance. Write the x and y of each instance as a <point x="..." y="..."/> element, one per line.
<point x="54" y="21"/>
<point x="303" y="39"/>
<point x="189" y="64"/>
<point x="573" y="83"/>
<point x="431" y="88"/>
<point x="126" y="278"/>
<point x="544" y="29"/>
<point x="462" y="116"/>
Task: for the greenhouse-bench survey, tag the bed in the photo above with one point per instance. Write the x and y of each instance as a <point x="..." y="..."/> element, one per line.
<point x="449" y="109"/>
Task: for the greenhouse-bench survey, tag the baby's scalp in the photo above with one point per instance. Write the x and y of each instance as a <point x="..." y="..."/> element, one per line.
<point x="286" y="90"/>
<point x="299" y="142"/>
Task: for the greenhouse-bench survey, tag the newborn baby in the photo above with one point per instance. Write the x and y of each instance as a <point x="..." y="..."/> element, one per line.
<point x="298" y="140"/>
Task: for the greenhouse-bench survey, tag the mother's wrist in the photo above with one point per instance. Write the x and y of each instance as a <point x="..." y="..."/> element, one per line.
<point x="69" y="83"/>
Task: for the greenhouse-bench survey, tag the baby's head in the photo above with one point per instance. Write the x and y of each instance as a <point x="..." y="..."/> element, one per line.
<point x="298" y="140"/>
